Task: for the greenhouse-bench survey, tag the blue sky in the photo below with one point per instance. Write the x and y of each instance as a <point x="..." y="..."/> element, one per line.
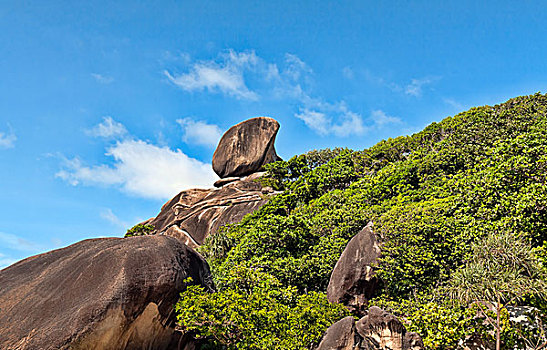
<point x="109" y="108"/>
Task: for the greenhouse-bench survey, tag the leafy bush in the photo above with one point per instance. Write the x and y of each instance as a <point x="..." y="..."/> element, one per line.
<point x="257" y="312"/>
<point x="140" y="230"/>
<point x="429" y="195"/>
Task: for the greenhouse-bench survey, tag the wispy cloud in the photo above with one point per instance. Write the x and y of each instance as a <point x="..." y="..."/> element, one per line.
<point x="315" y="120"/>
<point x="247" y="76"/>
<point x="7" y="140"/>
<point x="294" y="80"/>
<point x="381" y="119"/>
<point x="108" y="215"/>
<point x="199" y="132"/>
<point x="348" y="73"/>
<point x="139" y="167"/>
<point x="103" y="79"/>
<point x="6" y="261"/>
<point x="14" y="242"/>
<point x="225" y="75"/>
<point x="453" y="103"/>
<point x="335" y="120"/>
<point x="108" y="128"/>
<point x="415" y="88"/>
<point x="345" y="122"/>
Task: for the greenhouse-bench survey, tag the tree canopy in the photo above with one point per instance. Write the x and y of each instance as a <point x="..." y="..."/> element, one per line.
<point x="434" y="197"/>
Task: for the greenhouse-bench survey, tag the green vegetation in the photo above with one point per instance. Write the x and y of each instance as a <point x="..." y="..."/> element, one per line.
<point x="258" y="313"/>
<point x="501" y="270"/>
<point x="432" y="196"/>
<point x="139" y="230"/>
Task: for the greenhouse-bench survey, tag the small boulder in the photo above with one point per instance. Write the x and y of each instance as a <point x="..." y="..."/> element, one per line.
<point x="377" y="330"/>
<point x="246" y="147"/>
<point x="107" y="293"/>
<point x="339" y="336"/>
<point x="353" y="281"/>
<point x="381" y="329"/>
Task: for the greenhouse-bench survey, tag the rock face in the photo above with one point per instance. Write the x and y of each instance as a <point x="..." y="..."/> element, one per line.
<point x="193" y="214"/>
<point x="378" y="330"/>
<point x="353" y="281"/>
<point x="107" y="293"/>
<point x="246" y="147"/>
<point x="339" y="336"/>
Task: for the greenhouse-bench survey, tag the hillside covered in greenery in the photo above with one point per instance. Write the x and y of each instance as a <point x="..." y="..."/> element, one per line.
<point x="439" y="200"/>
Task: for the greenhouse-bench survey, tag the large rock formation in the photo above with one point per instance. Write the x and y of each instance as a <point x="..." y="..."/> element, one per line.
<point x="107" y="293"/>
<point x="193" y="214"/>
<point x="340" y="336"/>
<point x="378" y="330"/>
<point x="353" y="281"/>
<point x="246" y="147"/>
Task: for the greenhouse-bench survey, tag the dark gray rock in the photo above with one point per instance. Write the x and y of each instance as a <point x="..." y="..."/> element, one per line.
<point x="107" y="293"/>
<point x="194" y="214"/>
<point x="413" y="341"/>
<point x="339" y="336"/>
<point x="353" y="281"/>
<point x="381" y="330"/>
<point x="378" y="330"/>
<point x="246" y="147"/>
<point x="225" y="181"/>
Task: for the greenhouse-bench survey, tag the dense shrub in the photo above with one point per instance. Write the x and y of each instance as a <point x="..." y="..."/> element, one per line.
<point x="139" y="230"/>
<point x="256" y="312"/>
<point x="429" y="195"/>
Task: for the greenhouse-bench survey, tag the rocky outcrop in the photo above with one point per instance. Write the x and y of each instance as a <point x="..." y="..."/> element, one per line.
<point x="378" y="330"/>
<point x="107" y="293"/>
<point x="194" y="214"/>
<point x="353" y="281"/>
<point x="246" y="147"/>
<point x="340" y="336"/>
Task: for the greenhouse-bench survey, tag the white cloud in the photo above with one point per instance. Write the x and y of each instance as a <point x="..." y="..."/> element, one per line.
<point x="453" y="103"/>
<point x="415" y="88"/>
<point x="226" y="76"/>
<point x="340" y="121"/>
<point x="7" y="140"/>
<point x="6" y="261"/>
<point x="348" y="73"/>
<point x="14" y="242"/>
<point x="315" y="120"/>
<point x="199" y="132"/>
<point x="109" y="216"/>
<point x="380" y="119"/>
<point x="103" y="79"/>
<point x="295" y="68"/>
<point x="247" y="76"/>
<point x="350" y="123"/>
<point x="142" y="169"/>
<point x="108" y="128"/>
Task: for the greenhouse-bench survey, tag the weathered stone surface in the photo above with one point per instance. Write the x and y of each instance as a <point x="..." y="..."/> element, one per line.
<point x="194" y="214"/>
<point x="353" y="281"/>
<point x="413" y="341"/>
<point x="246" y="147"/>
<point x="339" y="336"/>
<point x="107" y="293"/>
<point x="378" y="330"/>
<point x="225" y="181"/>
